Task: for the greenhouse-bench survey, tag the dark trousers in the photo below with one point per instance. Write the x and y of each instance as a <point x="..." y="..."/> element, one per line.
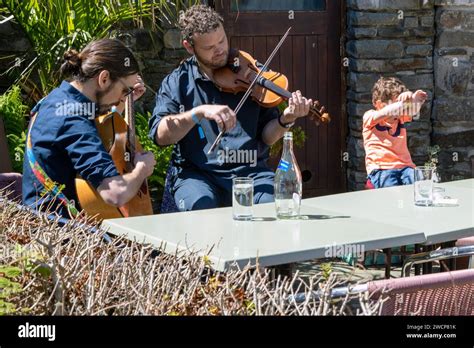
<point x="195" y="190"/>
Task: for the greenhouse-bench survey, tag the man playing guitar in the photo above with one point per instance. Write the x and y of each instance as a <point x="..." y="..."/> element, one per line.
<point x="63" y="141"/>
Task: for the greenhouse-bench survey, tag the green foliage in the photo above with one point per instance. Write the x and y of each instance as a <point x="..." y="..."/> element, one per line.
<point x="12" y="112"/>
<point x="32" y="262"/>
<point x="162" y="154"/>
<point x="326" y="269"/>
<point x="433" y="152"/>
<point x="29" y="262"/>
<point x="282" y="106"/>
<point x="54" y="26"/>
<point x="8" y="287"/>
<point x="299" y="138"/>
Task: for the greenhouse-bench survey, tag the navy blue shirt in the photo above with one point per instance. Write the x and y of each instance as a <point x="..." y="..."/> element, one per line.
<point x="185" y="88"/>
<point x="65" y="143"/>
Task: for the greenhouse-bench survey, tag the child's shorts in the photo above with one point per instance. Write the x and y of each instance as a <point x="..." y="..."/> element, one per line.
<point x="392" y="177"/>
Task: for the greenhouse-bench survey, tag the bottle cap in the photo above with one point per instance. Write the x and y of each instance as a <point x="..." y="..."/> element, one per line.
<point x="288" y="135"/>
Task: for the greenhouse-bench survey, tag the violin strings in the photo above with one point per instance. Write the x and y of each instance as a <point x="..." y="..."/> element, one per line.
<point x="249" y="89"/>
<point x="265" y="67"/>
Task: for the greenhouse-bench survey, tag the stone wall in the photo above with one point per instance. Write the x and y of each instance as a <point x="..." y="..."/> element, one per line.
<point x="13" y="43"/>
<point x="388" y="38"/>
<point x="453" y="109"/>
<point x="158" y="54"/>
<point x="429" y="45"/>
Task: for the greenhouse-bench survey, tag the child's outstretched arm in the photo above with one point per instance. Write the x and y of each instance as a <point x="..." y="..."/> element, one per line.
<point x="407" y="104"/>
<point x="413" y="101"/>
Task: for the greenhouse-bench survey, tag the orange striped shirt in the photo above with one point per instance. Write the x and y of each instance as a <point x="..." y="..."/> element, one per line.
<point x="385" y="143"/>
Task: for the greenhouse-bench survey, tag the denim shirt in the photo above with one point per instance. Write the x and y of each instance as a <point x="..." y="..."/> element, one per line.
<point x="65" y="143"/>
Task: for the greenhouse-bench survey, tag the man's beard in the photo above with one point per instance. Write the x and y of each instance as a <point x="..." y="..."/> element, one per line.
<point x="211" y="64"/>
<point x="103" y="108"/>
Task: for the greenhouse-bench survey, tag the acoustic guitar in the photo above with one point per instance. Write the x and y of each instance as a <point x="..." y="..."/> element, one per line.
<point x="119" y="138"/>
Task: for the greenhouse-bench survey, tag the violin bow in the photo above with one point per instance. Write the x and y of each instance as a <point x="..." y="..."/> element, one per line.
<point x="249" y="89"/>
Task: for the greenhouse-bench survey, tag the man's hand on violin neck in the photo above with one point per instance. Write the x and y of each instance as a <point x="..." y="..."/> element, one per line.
<point x="221" y="114"/>
<point x="298" y="106"/>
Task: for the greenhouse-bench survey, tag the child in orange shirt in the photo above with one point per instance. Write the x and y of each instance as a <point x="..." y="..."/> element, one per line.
<point x="387" y="159"/>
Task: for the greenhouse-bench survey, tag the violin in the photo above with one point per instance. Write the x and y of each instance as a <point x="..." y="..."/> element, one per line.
<point x="119" y="139"/>
<point x="270" y="89"/>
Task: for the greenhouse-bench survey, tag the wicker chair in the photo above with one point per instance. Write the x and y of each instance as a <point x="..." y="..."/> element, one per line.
<point x="447" y="293"/>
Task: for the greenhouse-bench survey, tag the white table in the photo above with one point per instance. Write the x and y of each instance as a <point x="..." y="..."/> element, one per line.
<point x="374" y="219"/>
<point x="395" y="206"/>
<point x="273" y="242"/>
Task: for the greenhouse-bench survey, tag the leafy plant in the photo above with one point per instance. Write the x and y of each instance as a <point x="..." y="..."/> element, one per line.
<point x="432" y="162"/>
<point x="32" y="261"/>
<point x="299" y="138"/>
<point x="326" y="269"/>
<point x="433" y="152"/>
<point x="8" y="287"/>
<point x="54" y="26"/>
<point x="162" y="154"/>
<point x="12" y="112"/>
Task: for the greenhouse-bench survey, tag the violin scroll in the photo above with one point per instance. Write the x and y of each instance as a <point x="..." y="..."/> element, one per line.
<point x="318" y="114"/>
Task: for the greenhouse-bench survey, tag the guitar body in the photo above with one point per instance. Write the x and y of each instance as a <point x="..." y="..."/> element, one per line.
<point x="112" y="129"/>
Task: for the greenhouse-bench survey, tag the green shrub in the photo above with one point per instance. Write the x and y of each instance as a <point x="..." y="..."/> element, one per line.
<point x="12" y="112"/>
<point x="162" y="154"/>
<point x="8" y="287"/>
<point x="299" y="138"/>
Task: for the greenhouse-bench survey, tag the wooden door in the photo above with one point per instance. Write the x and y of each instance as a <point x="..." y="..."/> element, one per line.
<point x="310" y="58"/>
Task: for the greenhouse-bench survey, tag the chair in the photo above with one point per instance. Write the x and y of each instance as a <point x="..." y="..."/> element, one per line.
<point x="168" y="204"/>
<point x="11" y="183"/>
<point x="447" y="293"/>
<point x="436" y="255"/>
<point x="369" y="185"/>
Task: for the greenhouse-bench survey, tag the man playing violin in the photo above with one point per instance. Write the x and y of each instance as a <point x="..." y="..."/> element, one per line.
<point x="190" y="111"/>
<point x="63" y="140"/>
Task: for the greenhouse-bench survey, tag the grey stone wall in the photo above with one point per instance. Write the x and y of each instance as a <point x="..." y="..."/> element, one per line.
<point x="453" y="109"/>
<point x="388" y="38"/>
<point x="158" y="54"/>
<point x="429" y="45"/>
<point x="13" y="43"/>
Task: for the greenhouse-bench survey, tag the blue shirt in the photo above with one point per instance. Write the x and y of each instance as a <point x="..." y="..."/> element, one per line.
<point x="186" y="88"/>
<point x="65" y="143"/>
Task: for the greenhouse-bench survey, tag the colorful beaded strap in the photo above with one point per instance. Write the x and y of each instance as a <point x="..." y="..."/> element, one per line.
<point x="50" y="186"/>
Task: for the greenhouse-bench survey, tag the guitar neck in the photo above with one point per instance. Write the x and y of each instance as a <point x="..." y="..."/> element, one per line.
<point x="130" y="119"/>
